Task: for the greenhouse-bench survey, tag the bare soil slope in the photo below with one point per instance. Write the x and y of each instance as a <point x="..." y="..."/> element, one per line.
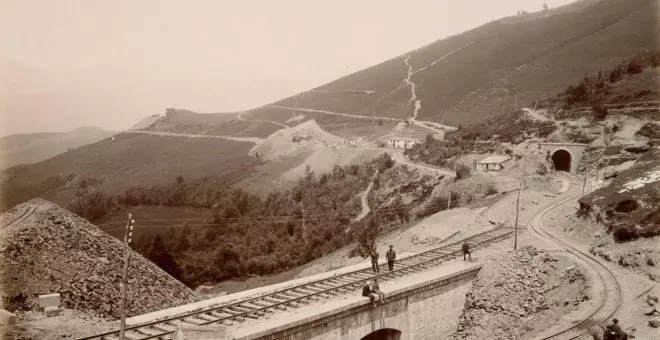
<point x="55" y="251"/>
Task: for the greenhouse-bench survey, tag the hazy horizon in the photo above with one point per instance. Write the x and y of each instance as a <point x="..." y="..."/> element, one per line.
<point x="71" y="63"/>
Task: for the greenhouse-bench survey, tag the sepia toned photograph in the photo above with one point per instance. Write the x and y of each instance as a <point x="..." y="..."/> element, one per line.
<point x="329" y="169"/>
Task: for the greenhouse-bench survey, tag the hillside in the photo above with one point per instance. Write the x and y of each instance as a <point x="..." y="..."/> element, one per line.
<point x="55" y="251"/>
<point x="34" y="147"/>
<point x="630" y="205"/>
<point x="219" y="124"/>
<point x="116" y="164"/>
<point x="488" y="70"/>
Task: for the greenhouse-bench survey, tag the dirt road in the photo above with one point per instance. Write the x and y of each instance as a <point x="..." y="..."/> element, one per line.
<point x="174" y="134"/>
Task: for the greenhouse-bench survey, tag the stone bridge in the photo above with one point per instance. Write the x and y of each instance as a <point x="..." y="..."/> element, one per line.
<point x="564" y="156"/>
<point x="426" y="305"/>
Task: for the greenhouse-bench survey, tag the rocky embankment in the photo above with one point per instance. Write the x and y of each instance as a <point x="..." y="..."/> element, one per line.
<point x="519" y="294"/>
<point x="630" y="204"/>
<point x="55" y="251"/>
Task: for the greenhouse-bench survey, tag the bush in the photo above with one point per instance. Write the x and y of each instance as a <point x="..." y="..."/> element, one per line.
<point x="600" y="110"/>
<point x="634" y="67"/>
<point x="462" y="170"/>
<point x="616" y="74"/>
<point x="542" y="169"/>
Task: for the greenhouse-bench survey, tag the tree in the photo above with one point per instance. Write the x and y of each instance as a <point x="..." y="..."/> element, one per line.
<point x="616" y="74"/>
<point x="545" y="6"/>
<point x="634" y="67"/>
<point x="600" y="110"/>
<point x="162" y="258"/>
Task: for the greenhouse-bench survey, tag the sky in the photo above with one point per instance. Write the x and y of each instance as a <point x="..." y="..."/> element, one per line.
<point x="109" y="63"/>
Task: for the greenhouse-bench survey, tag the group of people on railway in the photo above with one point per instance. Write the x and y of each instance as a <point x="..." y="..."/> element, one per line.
<point x="371" y="288"/>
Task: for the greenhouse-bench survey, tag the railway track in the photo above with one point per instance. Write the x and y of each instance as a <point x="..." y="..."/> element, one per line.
<point x="297" y="296"/>
<point x="612" y="298"/>
<point x="27" y="213"/>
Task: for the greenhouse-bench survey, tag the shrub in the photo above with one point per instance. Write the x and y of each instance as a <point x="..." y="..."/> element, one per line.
<point x="616" y="74"/>
<point x="462" y="170"/>
<point x="634" y="67"/>
<point x="600" y="110"/>
<point x="542" y="169"/>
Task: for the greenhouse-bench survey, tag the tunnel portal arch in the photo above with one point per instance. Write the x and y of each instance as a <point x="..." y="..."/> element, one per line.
<point x="562" y="159"/>
<point x="383" y="334"/>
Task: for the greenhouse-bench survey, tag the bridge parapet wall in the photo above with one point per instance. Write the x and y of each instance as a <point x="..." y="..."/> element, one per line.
<point x="426" y="305"/>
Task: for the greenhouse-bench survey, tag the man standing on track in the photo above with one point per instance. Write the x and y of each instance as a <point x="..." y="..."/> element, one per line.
<point x="466" y="250"/>
<point x="390" y="256"/>
<point x="374" y="261"/>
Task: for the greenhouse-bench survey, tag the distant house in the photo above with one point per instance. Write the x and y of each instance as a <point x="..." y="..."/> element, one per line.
<point x="492" y="163"/>
<point x="355" y="142"/>
<point x="402" y="143"/>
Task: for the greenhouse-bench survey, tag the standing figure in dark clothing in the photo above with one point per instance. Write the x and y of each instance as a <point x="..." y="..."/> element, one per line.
<point x="390" y="256"/>
<point x="374" y="261"/>
<point x="466" y="250"/>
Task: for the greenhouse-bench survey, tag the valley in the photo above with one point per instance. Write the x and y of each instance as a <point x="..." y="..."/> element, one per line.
<point x="535" y="138"/>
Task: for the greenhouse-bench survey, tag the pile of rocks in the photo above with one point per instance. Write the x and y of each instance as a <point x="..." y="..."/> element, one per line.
<point x="652" y="311"/>
<point x="512" y="289"/>
<point x="59" y="252"/>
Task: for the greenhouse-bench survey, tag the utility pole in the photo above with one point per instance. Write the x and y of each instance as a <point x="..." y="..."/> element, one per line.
<point x="584" y="184"/>
<point x="450" y="184"/>
<point x="128" y="234"/>
<point x="515" y="225"/>
<point x="304" y="235"/>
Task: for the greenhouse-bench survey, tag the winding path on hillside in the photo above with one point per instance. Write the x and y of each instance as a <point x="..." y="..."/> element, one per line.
<point x="241" y="117"/>
<point x="364" y="198"/>
<point x="190" y="135"/>
<point x="350" y="115"/>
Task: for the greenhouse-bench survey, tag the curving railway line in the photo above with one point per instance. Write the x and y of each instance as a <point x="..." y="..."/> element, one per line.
<point x="295" y="297"/>
<point x="611" y="299"/>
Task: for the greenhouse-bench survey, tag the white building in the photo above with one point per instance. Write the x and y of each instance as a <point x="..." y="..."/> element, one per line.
<point x="492" y="163"/>
<point x="402" y="143"/>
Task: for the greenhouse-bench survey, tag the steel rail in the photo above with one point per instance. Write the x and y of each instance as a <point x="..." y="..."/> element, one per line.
<point x="310" y="290"/>
<point x="540" y="230"/>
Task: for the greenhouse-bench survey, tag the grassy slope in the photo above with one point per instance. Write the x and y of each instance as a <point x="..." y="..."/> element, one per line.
<point x="129" y="160"/>
<point x="34" y="147"/>
<point x="528" y="58"/>
<point x="225" y="124"/>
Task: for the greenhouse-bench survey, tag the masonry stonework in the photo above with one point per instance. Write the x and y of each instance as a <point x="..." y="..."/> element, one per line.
<point x="426" y="312"/>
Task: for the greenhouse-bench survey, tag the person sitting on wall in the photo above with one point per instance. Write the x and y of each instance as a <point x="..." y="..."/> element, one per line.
<point x="366" y="291"/>
<point x="376" y="289"/>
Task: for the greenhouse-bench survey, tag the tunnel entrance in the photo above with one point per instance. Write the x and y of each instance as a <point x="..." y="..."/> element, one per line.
<point x="383" y="334"/>
<point x="562" y="160"/>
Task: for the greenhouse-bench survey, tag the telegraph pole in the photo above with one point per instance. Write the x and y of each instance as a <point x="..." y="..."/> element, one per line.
<point x="450" y="184"/>
<point x="515" y="225"/>
<point x="584" y="184"/>
<point x="128" y="234"/>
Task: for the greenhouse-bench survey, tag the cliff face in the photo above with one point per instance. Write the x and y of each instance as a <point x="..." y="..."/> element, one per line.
<point x="630" y="205"/>
<point x="55" y="251"/>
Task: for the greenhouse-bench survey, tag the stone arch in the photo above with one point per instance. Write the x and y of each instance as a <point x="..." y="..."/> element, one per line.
<point x="383" y="334"/>
<point x="562" y="160"/>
